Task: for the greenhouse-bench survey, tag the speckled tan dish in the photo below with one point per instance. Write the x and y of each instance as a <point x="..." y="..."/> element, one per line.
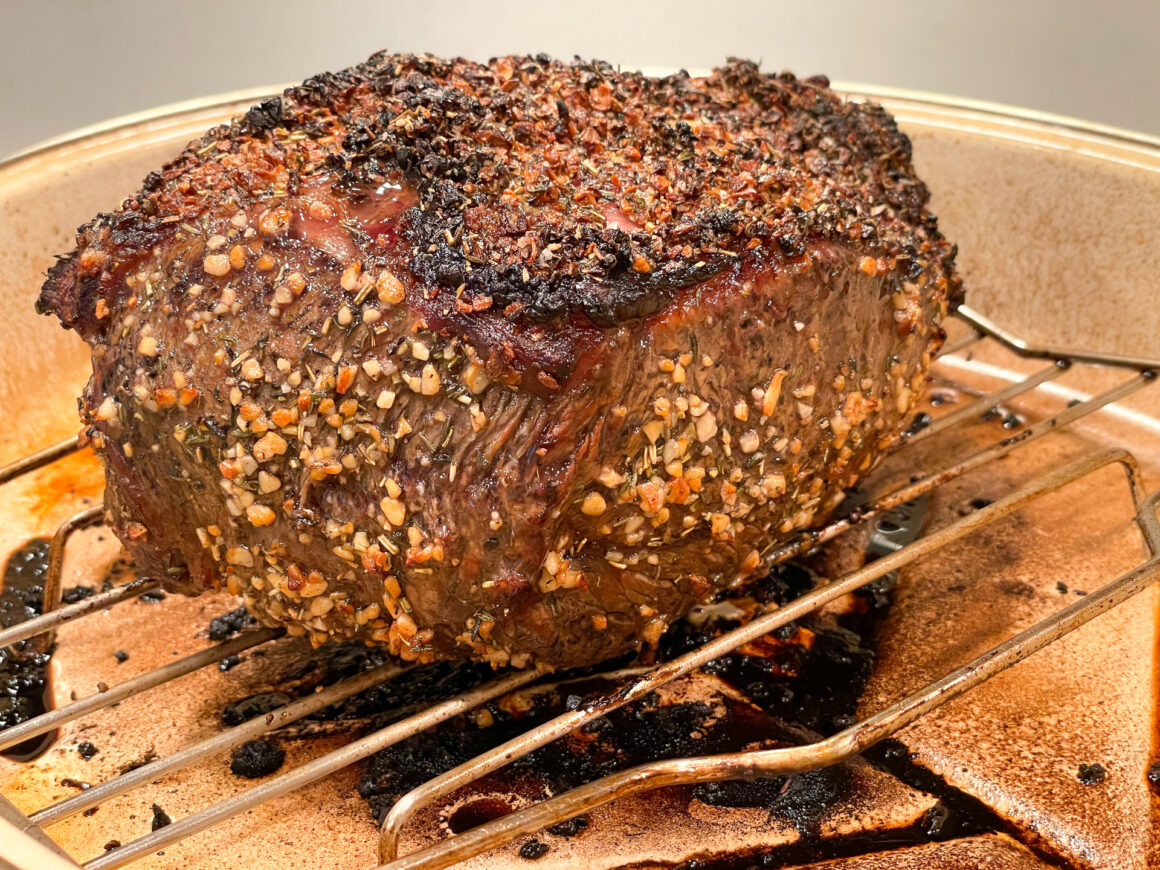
<point x="1059" y="228"/>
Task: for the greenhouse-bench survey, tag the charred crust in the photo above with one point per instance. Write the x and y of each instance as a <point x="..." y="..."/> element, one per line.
<point x="57" y="295"/>
<point x="265" y="116"/>
<point x="555" y="188"/>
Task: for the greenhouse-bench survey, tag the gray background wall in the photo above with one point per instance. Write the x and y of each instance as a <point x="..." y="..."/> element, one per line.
<point x="67" y="63"/>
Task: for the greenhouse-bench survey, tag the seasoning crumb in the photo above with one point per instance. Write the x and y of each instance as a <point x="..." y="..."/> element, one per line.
<point x="594" y="504"/>
<point x="217" y="265"/>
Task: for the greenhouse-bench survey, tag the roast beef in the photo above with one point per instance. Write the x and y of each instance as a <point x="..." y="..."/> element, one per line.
<point x="515" y="361"/>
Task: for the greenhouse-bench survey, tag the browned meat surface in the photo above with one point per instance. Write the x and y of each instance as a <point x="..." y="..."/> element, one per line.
<point x="515" y="361"/>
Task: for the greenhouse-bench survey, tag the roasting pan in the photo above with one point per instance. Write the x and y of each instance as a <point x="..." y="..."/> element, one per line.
<point x="1033" y="529"/>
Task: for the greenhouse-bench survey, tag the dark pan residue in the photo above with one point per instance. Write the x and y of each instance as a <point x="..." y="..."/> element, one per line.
<point x="24" y="666"/>
<point x="256" y="759"/>
<point x="805" y="678"/>
<point x="955" y="816"/>
<point x="331" y="663"/>
<point x="228" y="624"/>
<point x="798" y="683"/>
<point x="635" y="734"/>
<point x="810" y="675"/>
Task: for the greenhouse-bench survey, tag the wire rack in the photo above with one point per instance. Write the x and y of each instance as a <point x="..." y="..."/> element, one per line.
<point x="28" y="847"/>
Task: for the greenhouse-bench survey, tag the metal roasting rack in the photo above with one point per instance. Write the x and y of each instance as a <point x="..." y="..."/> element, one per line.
<point x="27" y="847"/>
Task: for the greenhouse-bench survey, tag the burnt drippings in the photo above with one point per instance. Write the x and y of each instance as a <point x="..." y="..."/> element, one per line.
<point x="637" y="733"/>
<point x="478" y="812"/>
<point x="77" y="593"/>
<point x="815" y="687"/>
<point x="160" y="819"/>
<point x="1092" y="774"/>
<point x="810" y="674"/>
<point x="120" y="571"/>
<point x="390" y="774"/>
<point x="803" y="680"/>
<point x="956" y="815"/>
<point x="1154" y="777"/>
<point x="256" y="759"/>
<point x="802" y="799"/>
<point x="400" y="697"/>
<point x="147" y="757"/>
<point x="228" y="624"/>
<point x="1010" y="419"/>
<point x="570" y="828"/>
<point x="237" y="712"/>
<point x="533" y="850"/>
<point x="24" y="666"/>
<point x="377" y="707"/>
<point x="802" y="677"/>
<point x="920" y="422"/>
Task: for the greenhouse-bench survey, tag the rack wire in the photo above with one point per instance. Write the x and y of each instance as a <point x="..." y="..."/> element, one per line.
<point x="27" y="847"/>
